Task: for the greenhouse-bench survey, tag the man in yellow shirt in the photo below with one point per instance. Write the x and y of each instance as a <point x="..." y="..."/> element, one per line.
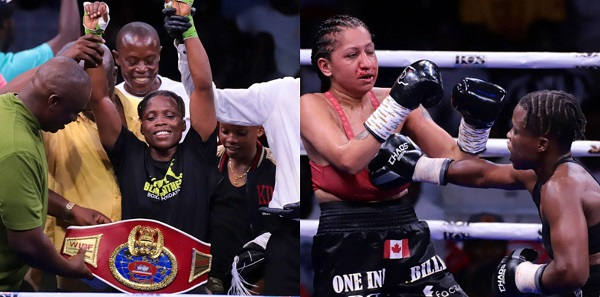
<point x="79" y="169"/>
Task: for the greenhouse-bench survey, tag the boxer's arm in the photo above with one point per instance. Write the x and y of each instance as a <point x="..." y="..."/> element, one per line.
<point x="36" y="250"/>
<point x="202" y="108"/>
<point x="321" y="133"/>
<point x="562" y="207"/>
<point x="108" y="120"/>
<point x="430" y="137"/>
<point x="480" y="173"/>
<point x="107" y="116"/>
<point x="68" y="25"/>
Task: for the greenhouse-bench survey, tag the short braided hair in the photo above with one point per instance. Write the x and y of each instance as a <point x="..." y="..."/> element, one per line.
<point x="555" y="113"/>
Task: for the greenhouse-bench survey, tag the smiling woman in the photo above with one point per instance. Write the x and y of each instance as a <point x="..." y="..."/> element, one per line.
<point x="163" y="179"/>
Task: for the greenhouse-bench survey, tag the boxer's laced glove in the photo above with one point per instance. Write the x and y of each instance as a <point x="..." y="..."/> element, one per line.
<point x="517" y="275"/>
<point x="102" y="23"/>
<point x="191" y="31"/>
<point x="419" y="83"/>
<point x="480" y="103"/>
<point x="249" y="266"/>
<point x="399" y="162"/>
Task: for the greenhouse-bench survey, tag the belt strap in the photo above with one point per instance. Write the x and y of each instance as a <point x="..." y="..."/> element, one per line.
<point x="141" y="255"/>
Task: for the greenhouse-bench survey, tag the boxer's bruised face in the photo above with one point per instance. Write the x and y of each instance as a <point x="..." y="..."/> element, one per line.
<point x="162" y="122"/>
<point x="238" y="140"/>
<point x="522" y="144"/>
<point x="354" y="64"/>
<point x="138" y="57"/>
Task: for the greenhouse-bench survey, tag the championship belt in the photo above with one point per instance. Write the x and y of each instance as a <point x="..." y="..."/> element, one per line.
<point x="141" y="255"/>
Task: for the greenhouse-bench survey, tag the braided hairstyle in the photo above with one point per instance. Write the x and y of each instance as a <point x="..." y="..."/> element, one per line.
<point x="554" y="113"/>
<point x="326" y="39"/>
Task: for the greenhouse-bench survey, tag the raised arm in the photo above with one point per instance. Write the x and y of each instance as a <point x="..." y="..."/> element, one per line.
<point x="325" y="142"/>
<point x="107" y="117"/>
<point x="68" y="26"/>
<point x="202" y="108"/>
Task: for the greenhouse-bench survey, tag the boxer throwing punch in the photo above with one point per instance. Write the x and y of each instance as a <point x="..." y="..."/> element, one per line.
<point x="545" y="124"/>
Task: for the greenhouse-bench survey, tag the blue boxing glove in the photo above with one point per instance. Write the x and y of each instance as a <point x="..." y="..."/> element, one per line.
<point x="516" y="275"/>
<point x="419" y="83"/>
<point x="479" y="102"/>
<point x="398" y="162"/>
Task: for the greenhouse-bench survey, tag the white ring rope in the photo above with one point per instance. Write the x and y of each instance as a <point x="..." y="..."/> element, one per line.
<point x="496" y="147"/>
<point x="442" y="230"/>
<point x="513" y="60"/>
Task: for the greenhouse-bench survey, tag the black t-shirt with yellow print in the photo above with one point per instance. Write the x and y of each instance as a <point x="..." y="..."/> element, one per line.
<point x="175" y="192"/>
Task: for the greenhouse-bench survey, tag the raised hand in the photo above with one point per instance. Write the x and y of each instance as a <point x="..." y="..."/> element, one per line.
<point x="173" y="24"/>
<point x="182" y="7"/>
<point x="176" y="25"/>
<point x="86" y="48"/>
<point x="95" y="17"/>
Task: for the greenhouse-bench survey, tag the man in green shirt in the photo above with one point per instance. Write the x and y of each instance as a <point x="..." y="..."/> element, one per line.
<point x="59" y="90"/>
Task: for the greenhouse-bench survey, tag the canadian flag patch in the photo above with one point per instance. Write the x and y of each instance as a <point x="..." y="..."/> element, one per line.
<point x="396" y="249"/>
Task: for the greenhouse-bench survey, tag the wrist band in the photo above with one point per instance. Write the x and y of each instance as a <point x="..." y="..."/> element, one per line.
<point x="472" y="140"/>
<point x="191" y="32"/>
<point x="386" y="118"/>
<point x="528" y="277"/>
<point x="141" y="256"/>
<point x="431" y="170"/>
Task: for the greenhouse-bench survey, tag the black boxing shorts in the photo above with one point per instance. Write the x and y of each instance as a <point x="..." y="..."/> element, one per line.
<point x="377" y="249"/>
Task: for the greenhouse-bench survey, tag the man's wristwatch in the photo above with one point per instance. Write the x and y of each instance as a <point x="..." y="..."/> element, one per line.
<point x="68" y="210"/>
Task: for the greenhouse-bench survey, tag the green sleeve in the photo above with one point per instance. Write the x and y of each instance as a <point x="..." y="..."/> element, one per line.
<point x="23" y="195"/>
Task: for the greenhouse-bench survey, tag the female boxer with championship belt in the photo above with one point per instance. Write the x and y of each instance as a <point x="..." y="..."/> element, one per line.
<point x="164" y="180"/>
<point x="369" y="241"/>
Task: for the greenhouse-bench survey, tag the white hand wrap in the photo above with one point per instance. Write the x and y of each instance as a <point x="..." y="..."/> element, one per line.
<point x="528" y="277"/>
<point x="102" y="24"/>
<point x="431" y="170"/>
<point x="472" y="140"/>
<point x="386" y="118"/>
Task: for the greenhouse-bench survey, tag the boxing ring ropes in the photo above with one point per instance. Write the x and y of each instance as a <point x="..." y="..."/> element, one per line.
<point x="456" y="230"/>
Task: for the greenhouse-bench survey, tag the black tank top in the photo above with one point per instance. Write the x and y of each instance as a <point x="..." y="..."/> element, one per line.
<point x="593" y="232"/>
